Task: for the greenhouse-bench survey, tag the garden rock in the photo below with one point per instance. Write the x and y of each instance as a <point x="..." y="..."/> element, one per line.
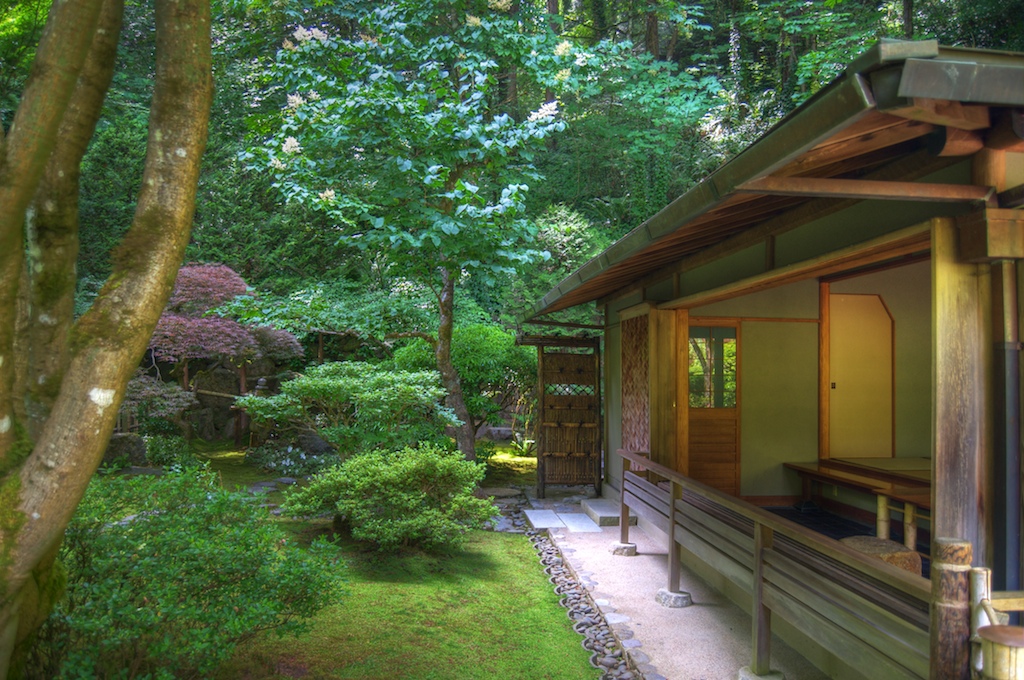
<point x="125" y="447"/>
<point x="312" y="443"/>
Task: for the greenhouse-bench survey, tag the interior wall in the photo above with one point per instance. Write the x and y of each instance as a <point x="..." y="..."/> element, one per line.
<point x="906" y="291"/>
<point x="778" y="384"/>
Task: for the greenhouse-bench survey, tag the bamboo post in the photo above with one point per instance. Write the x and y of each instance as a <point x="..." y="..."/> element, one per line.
<point x="951" y="610"/>
<point x="910" y="525"/>
<point x="1002" y="652"/>
<point x="981" y="592"/>
<point x="882" y="517"/>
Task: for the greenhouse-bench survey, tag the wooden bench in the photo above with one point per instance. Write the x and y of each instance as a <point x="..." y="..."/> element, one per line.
<point x="884" y="485"/>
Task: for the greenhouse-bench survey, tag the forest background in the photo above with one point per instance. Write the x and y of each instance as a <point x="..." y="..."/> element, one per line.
<point x="399" y="171"/>
<point x="660" y="94"/>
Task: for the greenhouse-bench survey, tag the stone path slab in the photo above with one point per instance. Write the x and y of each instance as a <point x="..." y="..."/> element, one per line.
<point x="579" y="523"/>
<point x="543" y="519"/>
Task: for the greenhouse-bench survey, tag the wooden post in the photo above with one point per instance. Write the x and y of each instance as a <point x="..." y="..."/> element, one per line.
<point x="541" y="389"/>
<point x="760" y="615"/>
<point x="623" y="509"/>
<point x="951" y="610"/>
<point x="910" y="525"/>
<point x="674" y="566"/>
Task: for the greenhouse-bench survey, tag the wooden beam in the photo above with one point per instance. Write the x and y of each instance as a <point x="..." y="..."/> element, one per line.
<point x="1008" y="132"/>
<point x="907" y="241"/>
<point x="867" y="189"/>
<point x="945" y="112"/>
<point x="1012" y="198"/>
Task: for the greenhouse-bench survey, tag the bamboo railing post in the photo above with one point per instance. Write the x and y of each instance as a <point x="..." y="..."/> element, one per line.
<point x="761" y="615"/>
<point x="951" y="610"/>
<point x="882" y="517"/>
<point x="981" y="591"/>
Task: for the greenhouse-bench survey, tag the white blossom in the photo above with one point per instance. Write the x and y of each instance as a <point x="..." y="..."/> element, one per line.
<point x="295" y="101"/>
<point x="500" y="5"/>
<point x="288" y="44"/>
<point x="563" y="48"/>
<point x="291" y="145"/>
<point x="302" y="34"/>
<point x="326" y="195"/>
<point x="313" y="96"/>
<point x="547" y="110"/>
<point x="277" y="164"/>
<point x="472" y="20"/>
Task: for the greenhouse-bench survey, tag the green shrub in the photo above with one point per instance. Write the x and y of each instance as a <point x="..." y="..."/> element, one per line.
<point x="170" y="452"/>
<point x="167" y="574"/>
<point x="413" y="497"/>
<point x="356" y="406"/>
<point x="493" y="370"/>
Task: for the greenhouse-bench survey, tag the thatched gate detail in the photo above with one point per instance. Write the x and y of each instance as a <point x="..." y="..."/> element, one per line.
<point x="569" y="411"/>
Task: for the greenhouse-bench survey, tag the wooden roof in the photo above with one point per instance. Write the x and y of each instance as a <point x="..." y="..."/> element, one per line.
<point x="900" y="112"/>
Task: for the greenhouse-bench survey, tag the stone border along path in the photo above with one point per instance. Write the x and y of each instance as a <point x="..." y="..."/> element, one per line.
<point x="613" y="650"/>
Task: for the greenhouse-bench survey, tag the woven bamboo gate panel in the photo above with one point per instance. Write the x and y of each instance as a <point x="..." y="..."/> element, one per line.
<point x="636" y="407"/>
<point x="569" y="442"/>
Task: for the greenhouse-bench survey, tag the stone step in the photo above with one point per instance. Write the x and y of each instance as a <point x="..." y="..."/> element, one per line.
<point x="604" y="512"/>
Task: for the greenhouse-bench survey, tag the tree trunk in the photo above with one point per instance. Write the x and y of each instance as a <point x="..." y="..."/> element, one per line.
<point x="465" y="437"/>
<point x="651" y="32"/>
<point x="46" y="464"/>
<point x="908" y="19"/>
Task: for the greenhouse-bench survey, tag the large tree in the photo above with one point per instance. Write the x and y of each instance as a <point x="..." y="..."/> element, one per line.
<point x="399" y="134"/>
<point x="61" y="379"/>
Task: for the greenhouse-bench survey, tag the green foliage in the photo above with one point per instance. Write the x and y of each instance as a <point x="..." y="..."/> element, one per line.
<point x="368" y="312"/>
<point x="167" y="574"/>
<point x="449" y="169"/>
<point x="420" y="497"/>
<point x="356" y="406"/>
<point x="171" y="452"/>
<point x="493" y="369"/>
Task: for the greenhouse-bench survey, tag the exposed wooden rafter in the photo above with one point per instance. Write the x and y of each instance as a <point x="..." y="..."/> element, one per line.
<point x="867" y="189"/>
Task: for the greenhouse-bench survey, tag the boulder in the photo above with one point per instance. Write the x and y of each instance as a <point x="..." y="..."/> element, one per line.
<point x="125" y="449"/>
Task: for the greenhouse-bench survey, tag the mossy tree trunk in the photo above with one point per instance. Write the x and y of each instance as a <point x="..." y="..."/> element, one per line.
<point x="61" y="381"/>
<point x="465" y="434"/>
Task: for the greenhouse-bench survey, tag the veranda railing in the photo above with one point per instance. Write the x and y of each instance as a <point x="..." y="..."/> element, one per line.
<point x="882" y="619"/>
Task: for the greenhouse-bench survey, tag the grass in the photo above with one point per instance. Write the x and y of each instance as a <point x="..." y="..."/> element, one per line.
<point x="507" y="469"/>
<point x="487" y="611"/>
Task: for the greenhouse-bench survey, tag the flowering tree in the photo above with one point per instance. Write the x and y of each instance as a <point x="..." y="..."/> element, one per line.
<point x="398" y="134"/>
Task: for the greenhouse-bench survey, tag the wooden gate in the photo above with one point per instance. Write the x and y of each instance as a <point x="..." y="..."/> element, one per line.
<point x="569" y="406"/>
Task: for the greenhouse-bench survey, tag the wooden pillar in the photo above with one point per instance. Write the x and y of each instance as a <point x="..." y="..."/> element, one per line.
<point x="1006" y="491"/>
<point x="623" y="509"/>
<point x="674" y="565"/>
<point x="662" y="382"/>
<point x="824" y="370"/>
<point x="961" y="407"/>
<point x="761" y="615"/>
<point x="541" y="448"/>
<point x="951" y="610"/>
<point x="682" y="353"/>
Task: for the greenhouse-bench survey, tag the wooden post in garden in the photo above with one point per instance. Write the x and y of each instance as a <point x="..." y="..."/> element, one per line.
<point x="951" y="610"/>
<point x="623" y="509"/>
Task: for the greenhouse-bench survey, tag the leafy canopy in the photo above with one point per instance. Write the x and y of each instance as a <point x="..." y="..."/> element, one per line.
<point x="398" y="135"/>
